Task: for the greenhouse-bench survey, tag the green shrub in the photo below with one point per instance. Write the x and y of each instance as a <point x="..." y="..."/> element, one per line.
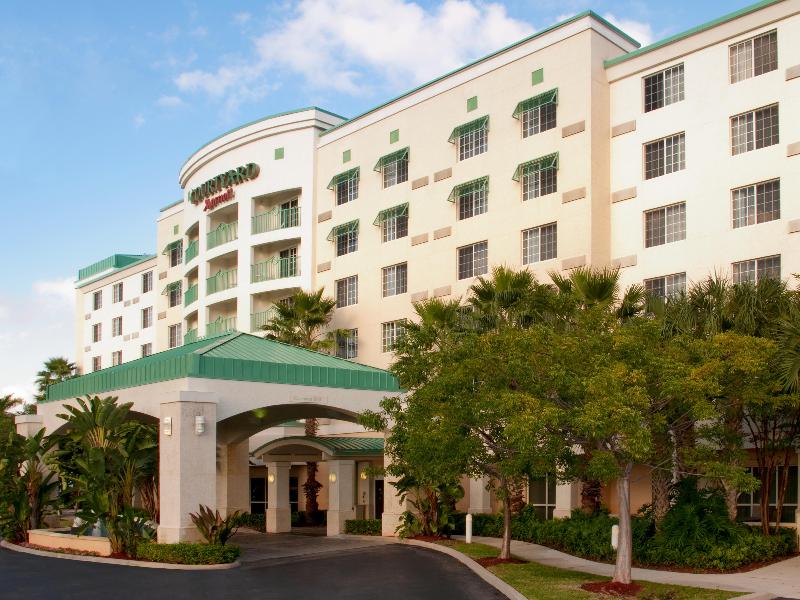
<point x="188" y="554"/>
<point x="363" y="526"/>
<point x="257" y="522"/>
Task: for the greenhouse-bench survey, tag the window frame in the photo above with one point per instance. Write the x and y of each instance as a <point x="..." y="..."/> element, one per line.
<point x="665" y="101"/>
<point x="753" y="125"/>
<point x="397" y="229"/>
<point x="147" y="282"/>
<point x="350" y="244"/>
<point x="175" y="329"/>
<point x="669" y="237"/>
<point x="347" y="191"/>
<point x="117" y="293"/>
<point x="473" y="143"/>
<point x="116" y="358"/>
<point x="473" y="271"/>
<point x="146" y="349"/>
<point x="759" y="269"/>
<point x="755" y="215"/>
<point x="97" y="363"/>
<point x="675" y="138"/>
<point x="539" y="229"/>
<point x="398" y="273"/>
<point x="397" y="174"/>
<point x="535" y="120"/>
<point x="347" y="346"/>
<point x="176" y="255"/>
<point x="667" y="284"/>
<point x="97" y="300"/>
<point x="350" y="286"/>
<point x="750" y="61"/>
<point x="391" y="330"/>
<point x="97" y="332"/>
<point x="116" y="327"/>
<point x="478" y="198"/>
<point x="544" y="183"/>
<point x="147" y="317"/>
<point x="175" y="296"/>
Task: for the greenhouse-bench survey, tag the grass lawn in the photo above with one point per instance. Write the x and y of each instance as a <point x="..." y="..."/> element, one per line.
<point x="539" y="582"/>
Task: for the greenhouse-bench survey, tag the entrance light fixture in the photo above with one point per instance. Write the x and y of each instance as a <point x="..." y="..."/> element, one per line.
<point x="271" y="478"/>
<point x="167" y="425"/>
<point x="199" y="424"/>
<point x="332" y="477"/>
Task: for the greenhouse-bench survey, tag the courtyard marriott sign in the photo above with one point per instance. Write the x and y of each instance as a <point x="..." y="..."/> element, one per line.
<point x="220" y="189"/>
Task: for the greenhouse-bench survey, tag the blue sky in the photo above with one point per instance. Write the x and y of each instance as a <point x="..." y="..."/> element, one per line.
<point x="100" y="104"/>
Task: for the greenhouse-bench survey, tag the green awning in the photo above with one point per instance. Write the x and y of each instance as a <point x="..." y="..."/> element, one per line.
<point x="171" y="246"/>
<point x="537" y="164"/>
<point x="349" y="227"/>
<point x="342" y="177"/>
<point x="400" y="210"/>
<point x="175" y="285"/>
<point x="477" y="124"/>
<point x="550" y="97"/>
<point x="482" y="183"/>
<point x="391" y="158"/>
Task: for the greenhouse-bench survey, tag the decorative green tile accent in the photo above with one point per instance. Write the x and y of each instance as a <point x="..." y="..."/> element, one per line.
<point x="394" y="136"/>
<point x="346" y="156"/>
<point x="537" y="76"/>
<point x="175" y="230"/>
<point x="278" y="153"/>
<point x="472" y="103"/>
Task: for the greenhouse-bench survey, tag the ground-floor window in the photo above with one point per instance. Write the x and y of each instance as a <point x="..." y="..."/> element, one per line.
<point x="748" y="506"/>
<point x="542" y="495"/>
<point x="258" y="495"/>
<point x="294" y="495"/>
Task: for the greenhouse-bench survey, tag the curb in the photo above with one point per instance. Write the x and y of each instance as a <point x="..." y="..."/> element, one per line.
<point x="756" y="596"/>
<point x="489" y="577"/>
<point x="118" y="561"/>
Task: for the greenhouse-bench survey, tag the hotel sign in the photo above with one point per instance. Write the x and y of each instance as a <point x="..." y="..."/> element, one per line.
<point x="219" y="189"/>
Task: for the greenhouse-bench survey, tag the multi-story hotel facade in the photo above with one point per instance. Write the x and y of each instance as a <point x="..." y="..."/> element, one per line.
<point x="572" y="147"/>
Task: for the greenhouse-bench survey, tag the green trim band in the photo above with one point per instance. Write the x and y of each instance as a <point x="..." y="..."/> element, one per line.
<point x="469" y="187"/>
<point x="537" y="164"/>
<point x="344" y="228"/>
<point x="391" y="158"/>
<point x="550" y="97"/>
<point x="354" y="173"/>
<point x="476" y="125"/>
<point x="401" y="210"/>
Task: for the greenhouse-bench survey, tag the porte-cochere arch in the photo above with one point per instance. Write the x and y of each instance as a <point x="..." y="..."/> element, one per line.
<point x="209" y="397"/>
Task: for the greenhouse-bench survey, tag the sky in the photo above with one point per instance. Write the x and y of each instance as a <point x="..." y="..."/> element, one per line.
<point x="101" y="103"/>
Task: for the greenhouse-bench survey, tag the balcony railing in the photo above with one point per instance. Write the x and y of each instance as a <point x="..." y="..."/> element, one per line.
<point x="190" y="295"/>
<point x="223" y="280"/>
<point x="220" y="326"/>
<point x="224" y="233"/>
<point x="277" y="218"/>
<point x="274" y="268"/>
<point x="192" y="249"/>
<point x="191" y="336"/>
<point x="259" y="319"/>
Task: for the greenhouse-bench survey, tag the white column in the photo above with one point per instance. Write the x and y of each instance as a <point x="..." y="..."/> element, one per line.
<point x="480" y="499"/>
<point x="233" y="478"/>
<point x="567" y="495"/>
<point x="365" y="490"/>
<point x="187" y="464"/>
<point x="279" y="512"/>
<point x="393" y="507"/>
<point x="341" y="492"/>
<point x="29" y="425"/>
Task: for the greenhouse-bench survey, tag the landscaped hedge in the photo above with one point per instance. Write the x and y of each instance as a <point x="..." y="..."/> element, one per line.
<point x="363" y="526"/>
<point x="188" y="554"/>
<point x="257" y="522"/>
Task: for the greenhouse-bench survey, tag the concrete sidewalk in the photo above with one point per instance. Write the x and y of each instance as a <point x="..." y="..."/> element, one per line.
<point x="781" y="579"/>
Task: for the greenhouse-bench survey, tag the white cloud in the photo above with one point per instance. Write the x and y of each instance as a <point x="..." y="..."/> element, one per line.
<point x="241" y="18"/>
<point x="3" y="311"/>
<point x="199" y="31"/>
<point x="641" y="31"/>
<point x="138" y="120"/>
<point x="169" y="101"/>
<point x="352" y="46"/>
<point x="60" y="289"/>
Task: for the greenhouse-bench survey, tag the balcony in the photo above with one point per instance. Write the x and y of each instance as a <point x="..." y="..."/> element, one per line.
<point x="224" y="233"/>
<point x="190" y="295"/>
<point x="274" y="268"/>
<point x="277" y="218"/>
<point x="259" y="319"/>
<point x="191" y="336"/>
<point x="223" y="280"/>
<point x="192" y="250"/>
<point x="220" y="326"/>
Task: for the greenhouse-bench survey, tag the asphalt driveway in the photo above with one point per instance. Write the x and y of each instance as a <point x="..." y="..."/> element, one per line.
<point x="325" y="569"/>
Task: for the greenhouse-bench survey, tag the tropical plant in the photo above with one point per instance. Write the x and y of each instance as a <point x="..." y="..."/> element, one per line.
<point x="215" y="528"/>
<point x="55" y="370"/>
<point x="301" y="321"/>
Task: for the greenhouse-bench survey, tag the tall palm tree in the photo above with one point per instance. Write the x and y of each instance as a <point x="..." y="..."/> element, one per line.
<point x="55" y="370"/>
<point x="509" y="298"/>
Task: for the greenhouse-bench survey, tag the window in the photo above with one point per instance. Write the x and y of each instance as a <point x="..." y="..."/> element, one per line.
<point x="147" y="349"/>
<point x="472" y="203"/>
<point x="666" y="286"/>
<point x="346" y="241"/>
<point x="391" y="332"/>
<point x="754" y="57"/>
<point x="176" y="254"/>
<point x="116" y="293"/>
<point x="147" y="317"/>
<point x="347" y="343"/>
<point x="754" y="129"/>
<point x="663" y="88"/>
<point x="290" y="215"/>
<point x="288" y="262"/>
<point x="97" y="300"/>
<point x="395" y="279"/>
<point x="542" y="496"/>
<point x="147" y="282"/>
<point x="116" y="326"/>
<point x="665" y="156"/>
<point x="97" y="363"/>
<point x="665" y="225"/>
<point x="175" y="294"/>
<point x="174" y="335"/>
<point x="539" y="119"/>
<point x="473" y="142"/>
<point x="394" y="227"/>
<point x="347" y="291"/>
<point x="539" y="182"/>
<point x="116" y="358"/>
<point x="97" y="332"/>
<point x="473" y="260"/>
<point x="756" y="203"/>
<point x="754" y="270"/>
<point x="539" y="243"/>
<point x="395" y="172"/>
<point x="258" y="495"/>
<point x="748" y="504"/>
<point x="347" y="191"/>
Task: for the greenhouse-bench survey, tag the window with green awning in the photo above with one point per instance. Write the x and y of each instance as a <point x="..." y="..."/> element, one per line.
<point x="348" y="175"/>
<point x="172" y="246"/>
<point x="171" y="287"/>
<point x="480" y="184"/>
<point x="476" y="125"/>
<point x="537" y="164"/>
<point x="345" y="228"/>
<point x="401" y="210"/>
<point x="391" y="158"/>
<point x="550" y="97"/>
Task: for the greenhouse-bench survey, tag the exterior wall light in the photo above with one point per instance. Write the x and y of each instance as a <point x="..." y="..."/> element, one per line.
<point x="271" y="478"/>
<point x="363" y="475"/>
<point x="167" y="426"/>
<point x="332" y="477"/>
<point x="199" y="424"/>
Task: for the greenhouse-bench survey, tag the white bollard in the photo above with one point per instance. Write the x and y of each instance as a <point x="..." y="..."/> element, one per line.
<point x="614" y="536"/>
<point x="468" y="529"/>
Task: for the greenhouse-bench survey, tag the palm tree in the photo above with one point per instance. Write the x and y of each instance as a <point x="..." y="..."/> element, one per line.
<point x="509" y="298"/>
<point x="55" y="370"/>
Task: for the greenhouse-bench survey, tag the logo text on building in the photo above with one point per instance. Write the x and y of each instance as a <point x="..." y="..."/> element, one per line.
<point x="222" y="181"/>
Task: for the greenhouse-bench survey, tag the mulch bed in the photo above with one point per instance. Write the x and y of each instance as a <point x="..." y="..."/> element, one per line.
<point x="488" y="561"/>
<point x="58" y="550"/>
<point x="612" y="588"/>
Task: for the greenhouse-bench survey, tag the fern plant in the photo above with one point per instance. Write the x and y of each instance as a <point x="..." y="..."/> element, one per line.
<point x="213" y="527"/>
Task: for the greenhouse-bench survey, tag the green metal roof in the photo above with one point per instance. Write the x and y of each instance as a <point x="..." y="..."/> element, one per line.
<point x="233" y="357"/>
<point x="336" y="446"/>
<point x="109" y="266"/>
<point x="694" y="30"/>
<point x="168" y="206"/>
